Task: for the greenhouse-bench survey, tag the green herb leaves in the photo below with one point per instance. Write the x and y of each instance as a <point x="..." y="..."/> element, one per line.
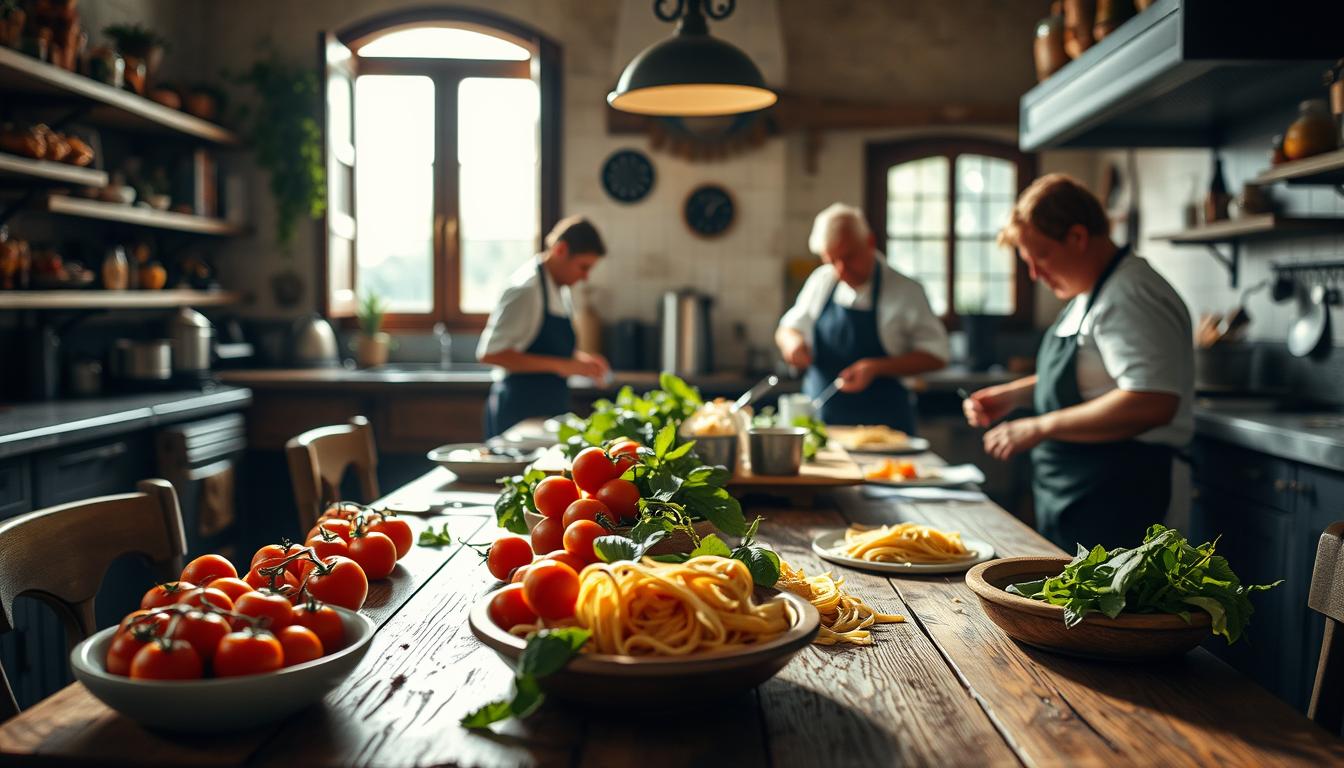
<point x="515" y="499"/>
<point x="1164" y="574"/>
<point x="432" y="538"/>
<point x="547" y="652"/>
<point x="613" y="548"/>
<point x="638" y="417"/>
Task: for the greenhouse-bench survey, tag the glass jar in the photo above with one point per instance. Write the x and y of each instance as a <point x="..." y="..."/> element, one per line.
<point x="116" y="270"/>
<point x="1312" y="133"/>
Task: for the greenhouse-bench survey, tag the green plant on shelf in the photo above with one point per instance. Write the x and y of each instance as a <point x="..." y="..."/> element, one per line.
<point x="370" y="313"/>
<point x="135" y="39"/>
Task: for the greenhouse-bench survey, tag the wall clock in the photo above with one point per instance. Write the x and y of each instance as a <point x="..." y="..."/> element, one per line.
<point x="710" y="210"/>
<point x="627" y="176"/>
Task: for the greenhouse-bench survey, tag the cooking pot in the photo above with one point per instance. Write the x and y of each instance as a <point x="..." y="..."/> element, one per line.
<point x="192" y="339"/>
<point x="142" y="360"/>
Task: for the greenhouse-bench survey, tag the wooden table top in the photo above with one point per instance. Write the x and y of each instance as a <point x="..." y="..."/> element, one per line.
<point x="944" y="688"/>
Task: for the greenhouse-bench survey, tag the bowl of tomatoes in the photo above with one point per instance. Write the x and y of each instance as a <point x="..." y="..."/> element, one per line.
<point x="166" y="689"/>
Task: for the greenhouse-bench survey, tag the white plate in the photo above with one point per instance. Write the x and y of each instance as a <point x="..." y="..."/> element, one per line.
<point x="949" y="476"/>
<point x="827" y="544"/>
<point x="462" y="460"/>
<point x="909" y="447"/>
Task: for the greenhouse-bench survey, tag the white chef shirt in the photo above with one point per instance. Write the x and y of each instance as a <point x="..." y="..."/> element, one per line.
<point x="1138" y="338"/>
<point x="905" y="321"/>
<point x="516" y="319"/>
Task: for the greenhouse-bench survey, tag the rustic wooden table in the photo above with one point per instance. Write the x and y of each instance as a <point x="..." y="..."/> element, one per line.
<point x="944" y="688"/>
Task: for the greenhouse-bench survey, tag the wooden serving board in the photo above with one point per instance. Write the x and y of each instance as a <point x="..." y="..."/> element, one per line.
<point x="832" y="468"/>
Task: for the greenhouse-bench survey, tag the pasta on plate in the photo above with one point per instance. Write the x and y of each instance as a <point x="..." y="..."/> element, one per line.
<point x="903" y="543"/>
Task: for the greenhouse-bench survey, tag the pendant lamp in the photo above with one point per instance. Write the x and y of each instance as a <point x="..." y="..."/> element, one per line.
<point x="691" y="74"/>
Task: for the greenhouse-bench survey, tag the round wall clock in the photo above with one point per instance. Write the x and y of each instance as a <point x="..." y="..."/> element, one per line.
<point x="627" y="176"/>
<point x="710" y="210"/>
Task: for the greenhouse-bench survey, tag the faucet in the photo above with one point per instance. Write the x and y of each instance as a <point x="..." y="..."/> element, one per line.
<point x="445" y="345"/>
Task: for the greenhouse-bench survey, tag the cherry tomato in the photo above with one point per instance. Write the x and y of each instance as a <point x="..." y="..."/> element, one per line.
<point x="145" y="618"/>
<point x="573" y="561"/>
<point x="585" y="509"/>
<point x="165" y="594"/>
<point x="396" y="529"/>
<point x="166" y="660"/>
<point x="325" y="544"/>
<point x="283" y="582"/>
<point x="203" y="631"/>
<point x="342" y="510"/>
<point x="207" y="568"/>
<point x="272" y="552"/>
<point x="207" y="597"/>
<point x="339" y="581"/>
<point x="232" y="586"/>
<point x="375" y="553"/>
<point x="518" y="573"/>
<point x="592" y="468"/>
<point x="626" y="454"/>
<point x="551" y="589"/>
<point x="548" y="535"/>
<point x="621" y="497"/>
<point x="554" y="495"/>
<point x="579" y="539"/>
<point x="341" y="528"/>
<point x="299" y="644"/>
<point x="126" y="644"/>
<point x="508" y="608"/>
<point x="324" y="621"/>
<point x="248" y="652"/>
<point x="506" y="554"/>
<point x="272" y="607"/>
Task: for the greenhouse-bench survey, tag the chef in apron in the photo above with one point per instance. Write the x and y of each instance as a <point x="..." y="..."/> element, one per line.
<point x="530" y="336"/>
<point x="1114" y="377"/>
<point x="859" y="321"/>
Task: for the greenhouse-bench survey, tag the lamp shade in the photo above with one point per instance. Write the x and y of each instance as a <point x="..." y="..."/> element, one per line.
<point x="691" y="75"/>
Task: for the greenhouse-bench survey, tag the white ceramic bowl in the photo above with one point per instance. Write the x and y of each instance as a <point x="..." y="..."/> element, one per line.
<point x="461" y="460"/>
<point x="220" y="704"/>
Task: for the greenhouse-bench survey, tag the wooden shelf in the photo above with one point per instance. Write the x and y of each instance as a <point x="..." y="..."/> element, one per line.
<point x="20" y="74"/>
<point x="1326" y="168"/>
<point x="45" y="171"/>
<point x="98" y="299"/>
<point x="140" y="217"/>
<point x="1260" y="226"/>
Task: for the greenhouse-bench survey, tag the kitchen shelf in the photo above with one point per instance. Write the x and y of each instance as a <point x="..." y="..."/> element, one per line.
<point x="140" y="217"/>
<point x="98" y="299"/>
<point x="1258" y="227"/>
<point x="113" y="107"/>
<point x="1326" y="168"/>
<point x="48" y="172"/>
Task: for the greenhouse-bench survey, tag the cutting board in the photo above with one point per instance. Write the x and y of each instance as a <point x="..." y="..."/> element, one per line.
<point x="833" y="467"/>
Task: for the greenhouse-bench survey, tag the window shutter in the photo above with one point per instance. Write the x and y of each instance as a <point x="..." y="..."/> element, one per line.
<point x="337" y="236"/>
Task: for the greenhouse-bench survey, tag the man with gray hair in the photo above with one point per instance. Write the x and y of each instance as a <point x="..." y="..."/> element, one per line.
<point x="859" y="322"/>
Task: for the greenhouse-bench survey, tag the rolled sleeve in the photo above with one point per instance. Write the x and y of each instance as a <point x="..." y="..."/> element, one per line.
<point x="1144" y="344"/>
<point x="513" y="323"/>
<point x="802" y="316"/>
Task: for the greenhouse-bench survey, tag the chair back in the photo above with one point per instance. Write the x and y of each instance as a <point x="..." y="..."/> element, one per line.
<point x="318" y="460"/>
<point x="1327" y="597"/>
<point x="59" y="555"/>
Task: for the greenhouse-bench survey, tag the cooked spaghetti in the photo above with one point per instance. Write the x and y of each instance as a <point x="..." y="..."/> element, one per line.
<point x="904" y="543"/>
<point x="844" y="617"/>
<point x="879" y="436"/>
<point x="673" y="609"/>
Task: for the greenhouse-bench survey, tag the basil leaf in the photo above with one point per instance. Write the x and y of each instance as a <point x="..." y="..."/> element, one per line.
<point x="550" y="649"/>
<point x="527" y="696"/>
<point x="493" y="712"/>
<point x="671" y="557"/>
<point x="763" y="564"/>
<point x="679" y="451"/>
<point x="615" y="547"/>
<point x="710" y="476"/>
<point x="663" y="442"/>
<point x="663" y="485"/>
<point x="716" y="506"/>
<point x="712" y="545"/>
<point x="431" y="538"/>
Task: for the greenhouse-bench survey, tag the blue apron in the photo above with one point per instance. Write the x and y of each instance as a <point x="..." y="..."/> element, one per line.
<point x="844" y="336"/>
<point x="1092" y="493"/>
<point x="527" y="395"/>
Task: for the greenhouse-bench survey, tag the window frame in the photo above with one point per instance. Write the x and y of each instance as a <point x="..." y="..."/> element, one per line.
<point x="544" y="67"/>
<point x="881" y="157"/>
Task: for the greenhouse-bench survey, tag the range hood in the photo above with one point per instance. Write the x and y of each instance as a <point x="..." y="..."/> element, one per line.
<point x="1183" y="72"/>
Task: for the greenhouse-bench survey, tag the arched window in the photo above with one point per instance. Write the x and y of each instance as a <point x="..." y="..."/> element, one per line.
<point x="936" y="208"/>
<point x="442" y="134"/>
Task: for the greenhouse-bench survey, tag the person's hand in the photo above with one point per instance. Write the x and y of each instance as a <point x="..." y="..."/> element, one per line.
<point x="858" y="376"/>
<point x="796" y="353"/>
<point x="1013" y="437"/>
<point x="986" y="406"/>
<point x="592" y="358"/>
<point x="583" y="364"/>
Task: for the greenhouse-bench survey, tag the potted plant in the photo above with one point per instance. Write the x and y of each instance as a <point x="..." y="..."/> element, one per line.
<point x="142" y="48"/>
<point x="374" y="343"/>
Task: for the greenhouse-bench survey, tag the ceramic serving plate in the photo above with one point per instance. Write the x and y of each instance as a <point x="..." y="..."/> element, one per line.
<point x="896" y="447"/>
<point x="828" y="546"/>
<point x="949" y="476"/>
<point x="634" y="681"/>
<point x="220" y="704"/>
<point x="1127" y="637"/>
<point x="473" y="464"/>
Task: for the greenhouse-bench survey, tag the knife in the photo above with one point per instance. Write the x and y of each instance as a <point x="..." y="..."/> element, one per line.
<point x="756" y="392"/>
<point x="826" y="394"/>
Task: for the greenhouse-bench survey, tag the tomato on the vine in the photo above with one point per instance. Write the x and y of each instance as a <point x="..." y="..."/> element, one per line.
<point x="206" y="597"/>
<point x="592" y="468"/>
<point x="126" y="644"/>
<point x="518" y="573"/>
<point x="207" y="568"/>
<point x="166" y="659"/>
<point x="342" y="510"/>
<point x="166" y="593"/>
<point x="507" y="554"/>
<point x="203" y="631"/>
<point x="547" y="536"/>
<point x="325" y="544"/>
<point x="232" y="586"/>
<point x="554" y="495"/>
<point x="248" y="652"/>
<point x="374" y="552"/>
<point x="396" y="529"/>
<point x="147" y="618"/>
<point x="339" y="527"/>
<point x="284" y="581"/>
<point x="579" y="539"/>
<point x="626" y="454"/>
<point x="272" y="607"/>
<point x="299" y="644"/>
<point x="585" y="509"/>
<point x="324" y="621"/>
<point x="339" y="581"/>
<point x="508" y="608"/>
<point x="551" y="589"/>
<point x="273" y="552"/>
<point x="573" y="561"/>
<point x="621" y="497"/>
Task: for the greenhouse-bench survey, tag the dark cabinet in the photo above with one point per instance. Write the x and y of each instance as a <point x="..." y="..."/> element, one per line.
<point x="16" y="494"/>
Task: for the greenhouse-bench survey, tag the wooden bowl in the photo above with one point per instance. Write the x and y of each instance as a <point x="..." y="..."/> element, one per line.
<point x="1129" y="636"/>
<point x="655" y="681"/>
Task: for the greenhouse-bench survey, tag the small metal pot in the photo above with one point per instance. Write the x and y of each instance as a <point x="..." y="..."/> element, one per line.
<point x="192" y="339"/>
<point x="720" y="450"/>
<point x="776" y="450"/>
<point x="142" y="360"/>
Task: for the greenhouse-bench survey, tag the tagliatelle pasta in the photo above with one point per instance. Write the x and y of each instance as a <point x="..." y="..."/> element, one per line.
<point x="845" y="618"/>
<point x="903" y="543"/>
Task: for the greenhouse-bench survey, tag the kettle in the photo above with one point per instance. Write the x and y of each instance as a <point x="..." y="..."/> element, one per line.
<point x="313" y="343"/>
<point x="192" y="338"/>
<point x="687" y="341"/>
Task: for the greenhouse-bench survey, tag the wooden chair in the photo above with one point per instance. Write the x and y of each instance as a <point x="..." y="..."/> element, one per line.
<point x="60" y="554"/>
<point x="1327" y="597"/>
<point x="318" y="459"/>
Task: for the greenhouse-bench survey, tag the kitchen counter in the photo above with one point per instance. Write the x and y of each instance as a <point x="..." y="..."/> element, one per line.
<point x="29" y="427"/>
<point x="1310" y="438"/>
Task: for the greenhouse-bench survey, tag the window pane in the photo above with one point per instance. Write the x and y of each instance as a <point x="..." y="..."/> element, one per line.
<point x="497" y="147"/>
<point x="986" y="188"/>
<point x="394" y="189"/>
<point x="444" y="43"/>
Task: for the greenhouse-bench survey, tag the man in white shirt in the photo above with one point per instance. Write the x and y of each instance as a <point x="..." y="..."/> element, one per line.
<point x="1114" y="379"/>
<point x="861" y="324"/>
<point x="530" y="335"/>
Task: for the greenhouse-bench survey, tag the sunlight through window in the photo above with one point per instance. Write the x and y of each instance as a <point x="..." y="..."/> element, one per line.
<point x="444" y="43"/>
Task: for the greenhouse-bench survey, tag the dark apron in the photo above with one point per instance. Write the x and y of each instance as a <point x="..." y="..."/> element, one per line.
<point x="1092" y="493"/>
<point x="527" y="395"/>
<point x="844" y="336"/>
